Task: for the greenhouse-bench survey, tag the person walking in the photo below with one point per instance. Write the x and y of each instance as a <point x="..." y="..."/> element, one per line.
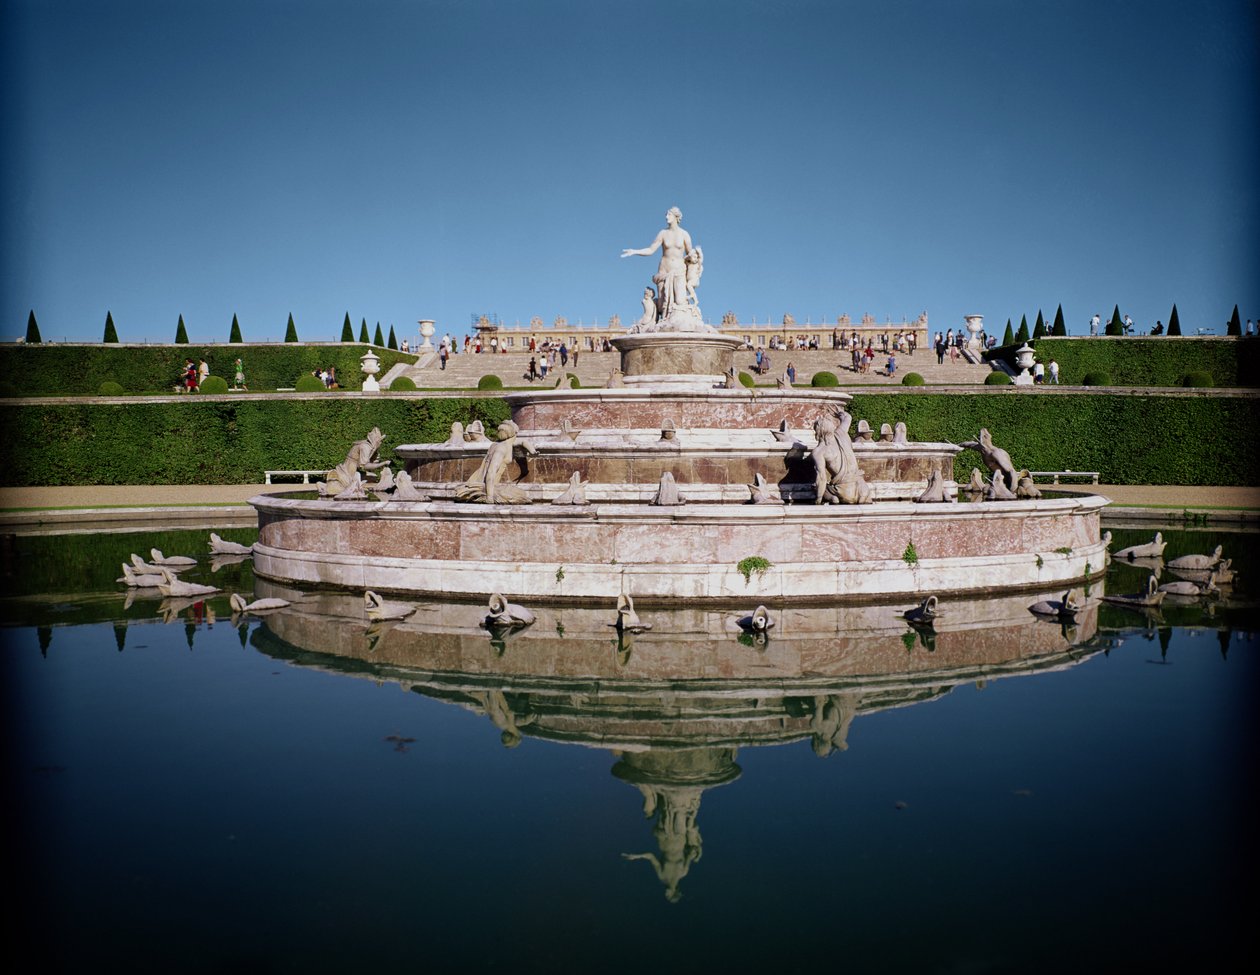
<point x="1054" y="373"/>
<point x="1094" y="323"/>
<point x="203" y="370"/>
<point x="791" y="373"/>
<point x="1039" y="374"/>
<point x="239" y="379"/>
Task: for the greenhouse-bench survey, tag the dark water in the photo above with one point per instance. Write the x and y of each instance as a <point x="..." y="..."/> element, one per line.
<point x="308" y="792"/>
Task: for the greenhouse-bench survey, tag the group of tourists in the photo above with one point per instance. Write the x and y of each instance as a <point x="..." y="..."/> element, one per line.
<point x="328" y="377"/>
<point x="194" y="375"/>
<point x="547" y="355"/>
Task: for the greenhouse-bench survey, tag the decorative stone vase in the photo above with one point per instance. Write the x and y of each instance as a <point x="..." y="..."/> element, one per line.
<point x="1024" y="359"/>
<point x="426" y="330"/>
<point x="371" y="366"/>
<point x="974" y="323"/>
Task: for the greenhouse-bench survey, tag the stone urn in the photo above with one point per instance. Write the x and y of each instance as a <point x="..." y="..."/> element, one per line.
<point x="371" y="366"/>
<point x="1024" y="359"/>
<point x="974" y="323"/>
<point x="426" y="331"/>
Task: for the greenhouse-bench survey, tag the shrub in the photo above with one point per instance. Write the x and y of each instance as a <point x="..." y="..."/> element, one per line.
<point x="1008" y="337"/>
<point x="574" y="383"/>
<point x="1060" y="327"/>
<point x="393" y="341"/>
<point x="181" y="333"/>
<point x="111" y="333"/>
<point x="33" y="337"/>
<point x="402" y="384"/>
<point x="1115" y="326"/>
<point x="1022" y="336"/>
<point x="746" y="380"/>
<point x="489" y="382"/>
<point x="1198" y="379"/>
<point x="1174" y="322"/>
<point x="109" y="388"/>
<point x="1096" y="379"/>
<point x="1233" y="328"/>
<point x="363" y="333"/>
<point x="914" y="379"/>
<point x="290" y="331"/>
<point x="378" y="339"/>
<point x="347" y="330"/>
<point x="822" y="378"/>
<point x="306" y="383"/>
<point x="1151" y="360"/>
<point x="235" y="334"/>
<point x="216" y="386"/>
<point x="997" y="379"/>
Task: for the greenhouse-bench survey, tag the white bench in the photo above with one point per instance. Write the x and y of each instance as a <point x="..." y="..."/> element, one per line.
<point x="1055" y="475"/>
<point x="304" y="475"/>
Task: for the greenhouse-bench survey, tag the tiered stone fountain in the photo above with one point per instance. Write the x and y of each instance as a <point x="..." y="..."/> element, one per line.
<point x="674" y="482"/>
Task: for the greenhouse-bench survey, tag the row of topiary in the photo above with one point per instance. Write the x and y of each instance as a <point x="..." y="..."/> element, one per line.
<point x="1147" y="361"/>
<point x="1151" y="439"/>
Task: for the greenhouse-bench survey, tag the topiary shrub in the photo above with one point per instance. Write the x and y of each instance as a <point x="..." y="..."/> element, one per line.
<point x="914" y="379"/>
<point x="306" y="383"/>
<point x="490" y="382"/>
<point x="1096" y="379"/>
<point x="574" y="383"/>
<point x="402" y="384"/>
<point x="746" y="380"/>
<point x="109" y="388"/>
<point x="1198" y="378"/>
<point x="216" y="386"/>
<point x="823" y="378"/>
<point x="997" y="379"/>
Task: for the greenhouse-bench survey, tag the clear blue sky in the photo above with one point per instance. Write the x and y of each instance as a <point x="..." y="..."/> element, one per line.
<point x="437" y="158"/>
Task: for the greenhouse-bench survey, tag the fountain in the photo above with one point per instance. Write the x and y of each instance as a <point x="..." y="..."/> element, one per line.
<point x="647" y="487"/>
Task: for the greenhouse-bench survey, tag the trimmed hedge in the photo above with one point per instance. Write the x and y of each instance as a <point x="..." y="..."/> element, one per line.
<point x="203" y="441"/>
<point x="78" y="370"/>
<point x="403" y="384"/>
<point x="489" y="381"/>
<point x="1097" y="379"/>
<point x="1153" y="361"/>
<point x="214" y="386"/>
<point x="913" y="379"/>
<point x="309" y="383"/>
<point x="746" y="380"/>
<point x="825" y="378"/>
<point x="1197" y="379"/>
<point x="998" y="379"/>
<point x="1153" y="439"/>
<point x="109" y="388"/>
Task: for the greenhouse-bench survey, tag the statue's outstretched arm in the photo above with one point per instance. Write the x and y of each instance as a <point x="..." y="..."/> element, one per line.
<point x="645" y="251"/>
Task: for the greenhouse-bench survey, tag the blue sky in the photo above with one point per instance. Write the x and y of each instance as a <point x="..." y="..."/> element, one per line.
<point x="438" y="159"/>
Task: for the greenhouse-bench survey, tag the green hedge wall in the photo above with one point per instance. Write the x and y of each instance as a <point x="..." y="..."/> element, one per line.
<point x="195" y="441"/>
<point x="1127" y="439"/>
<point x="1156" y="361"/>
<point x="79" y="370"/>
<point x="1155" y="439"/>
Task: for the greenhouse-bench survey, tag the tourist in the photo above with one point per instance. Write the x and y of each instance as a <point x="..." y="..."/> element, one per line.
<point x="791" y="373"/>
<point x="1054" y="373"/>
<point x="203" y="370"/>
<point x="330" y="378"/>
<point x="757" y="365"/>
<point x="542" y="366"/>
<point x="1039" y="374"/>
<point x="1094" y="323"/>
<point x="190" y="376"/>
<point x="1250" y="328"/>
<point x="533" y="369"/>
<point x="891" y="368"/>
<point x="765" y="363"/>
<point x="564" y="355"/>
<point x="940" y="349"/>
<point x="1159" y="328"/>
<point x="575" y="355"/>
<point x="443" y="354"/>
<point x="239" y="380"/>
<point x="1128" y="325"/>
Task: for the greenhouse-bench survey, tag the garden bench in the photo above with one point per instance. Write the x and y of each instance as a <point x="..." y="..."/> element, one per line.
<point x="1055" y="475"/>
<point x="304" y="475"/>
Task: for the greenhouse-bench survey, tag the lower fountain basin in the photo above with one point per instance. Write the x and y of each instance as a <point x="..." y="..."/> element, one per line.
<point x="659" y="554"/>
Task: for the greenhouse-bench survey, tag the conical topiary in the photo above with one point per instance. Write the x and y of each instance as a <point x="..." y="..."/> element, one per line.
<point x="1115" y="326"/>
<point x="290" y="333"/>
<point x="1059" y="328"/>
<point x="32" y="328"/>
<point x="235" y="334"/>
<point x="347" y="330"/>
<point x="379" y="338"/>
<point x="1233" y="328"/>
<point x="363" y="335"/>
<point x="1174" y="323"/>
<point x="1040" y="328"/>
<point x="393" y="342"/>
<point x="111" y="333"/>
<point x="181" y="333"/>
<point x="1022" y="335"/>
<point x="1008" y="337"/>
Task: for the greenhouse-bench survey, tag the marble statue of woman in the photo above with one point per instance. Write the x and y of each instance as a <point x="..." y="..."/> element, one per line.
<point x="486" y="484"/>
<point x="676" y="310"/>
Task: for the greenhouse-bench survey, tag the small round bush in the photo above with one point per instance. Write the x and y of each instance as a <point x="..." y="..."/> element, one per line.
<point x="746" y="380"/>
<point x="309" y="384"/>
<point x="997" y="379"/>
<point x="824" y="378"/>
<point x="215" y="386"/>
<point x="109" y="388"/>
<point x="402" y="384"/>
<point x="1198" y="378"/>
<point x="573" y="382"/>
<point x="1096" y="379"/>
<point x="913" y="379"/>
<point x="490" y="382"/>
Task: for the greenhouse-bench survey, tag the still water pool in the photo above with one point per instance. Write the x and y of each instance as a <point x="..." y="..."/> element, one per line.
<point x="197" y="791"/>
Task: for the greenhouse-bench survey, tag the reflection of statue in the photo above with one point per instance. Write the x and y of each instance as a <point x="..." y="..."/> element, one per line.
<point x="484" y="484"/>
<point x="676" y="278"/>
<point x="830" y="722"/>
<point x="500" y="712"/>
<point x="360" y="458"/>
<point x="838" y="479"/>
<point x="676" y="833"/>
